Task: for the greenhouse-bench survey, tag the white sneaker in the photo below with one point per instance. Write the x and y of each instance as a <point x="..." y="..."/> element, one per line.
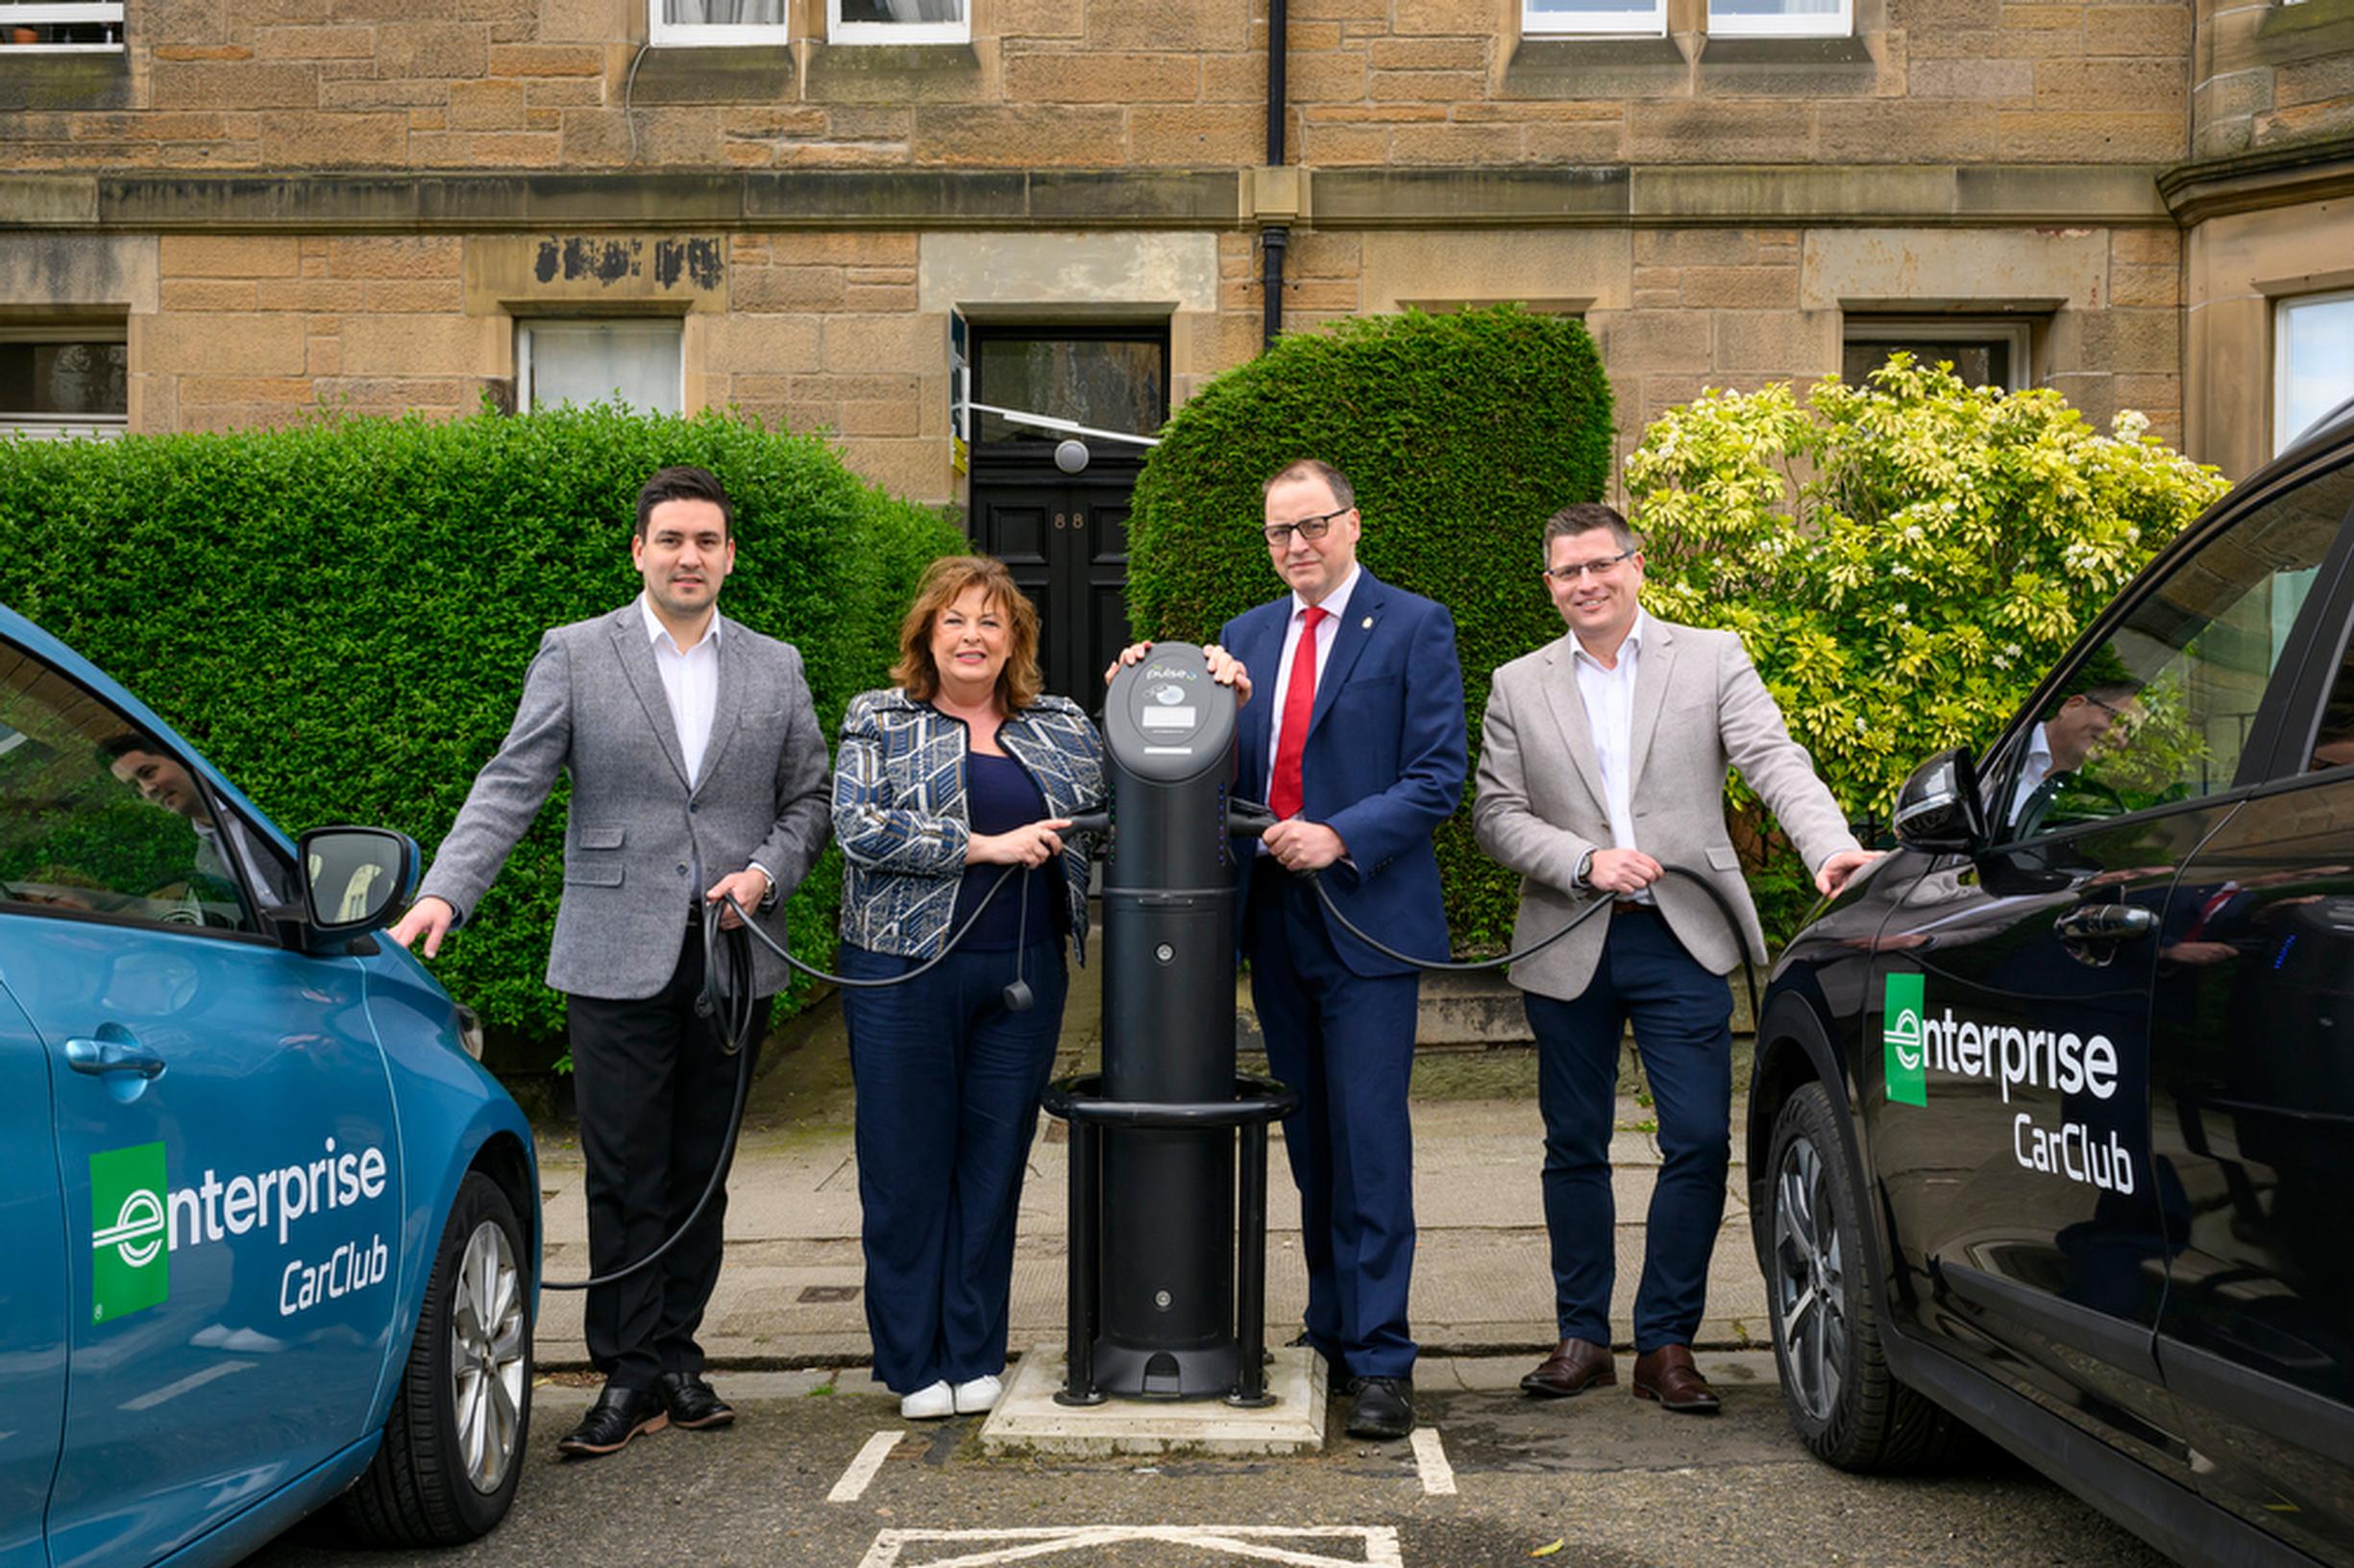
<point x="931" y="1403"/>
<point x="979" y="1396"/>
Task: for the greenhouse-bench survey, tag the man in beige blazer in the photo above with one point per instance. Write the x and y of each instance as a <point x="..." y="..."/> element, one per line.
<point x="1603" y="756"/>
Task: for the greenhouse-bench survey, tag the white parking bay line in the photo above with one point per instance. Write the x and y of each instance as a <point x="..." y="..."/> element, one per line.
<point x="1430" y="1459"/>
<point x="853" y="1482"/>
<point x="1298" y="1546"/>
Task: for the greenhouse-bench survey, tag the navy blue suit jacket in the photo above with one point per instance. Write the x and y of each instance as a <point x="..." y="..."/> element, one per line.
<point x="1383" y="763"/>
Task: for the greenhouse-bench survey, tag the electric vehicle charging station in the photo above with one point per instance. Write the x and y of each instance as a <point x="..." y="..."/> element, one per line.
<point x="1168" y="1227"/>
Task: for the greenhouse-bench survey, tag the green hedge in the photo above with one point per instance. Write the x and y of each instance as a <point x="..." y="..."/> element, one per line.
<point x="1462" y="433"/>
<point x="339" y="615"/>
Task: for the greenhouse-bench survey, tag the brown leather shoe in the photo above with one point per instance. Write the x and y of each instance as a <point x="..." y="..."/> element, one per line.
<point x="1574" y="1366"/>
<point x="1667" y="1375"/>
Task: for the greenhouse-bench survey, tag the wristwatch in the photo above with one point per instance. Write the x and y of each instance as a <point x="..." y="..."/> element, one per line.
<point x="1578" y="878"/>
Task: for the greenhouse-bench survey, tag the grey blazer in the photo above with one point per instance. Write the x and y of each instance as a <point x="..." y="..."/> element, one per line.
<point x="1699" y="707"/>
<point x="593" y="706"/>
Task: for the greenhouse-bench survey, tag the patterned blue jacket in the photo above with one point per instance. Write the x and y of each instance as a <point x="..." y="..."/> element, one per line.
<point x="901" y="818"/>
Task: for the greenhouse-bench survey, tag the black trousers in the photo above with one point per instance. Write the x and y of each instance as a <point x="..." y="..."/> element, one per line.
<point x="653" y="1089"/>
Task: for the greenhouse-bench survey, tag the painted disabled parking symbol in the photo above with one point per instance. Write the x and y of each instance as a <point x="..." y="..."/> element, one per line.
<point x="1304" y="1546"/>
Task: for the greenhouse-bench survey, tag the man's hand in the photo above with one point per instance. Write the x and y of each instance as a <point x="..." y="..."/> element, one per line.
<point x="1622" y="871"/>
<point x="1032" y="845"/>
<point x="1224" y="668"/>
<point x="1833" y="873"/>
<point x="429" y="917"/>
<point x="747" y="887"/>
<point x="1302" y="845"/>
<point x="1227" y="670"/>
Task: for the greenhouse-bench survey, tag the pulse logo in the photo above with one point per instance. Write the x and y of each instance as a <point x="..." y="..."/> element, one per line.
<point x="131" y="1266"/>
<point x="1904" y="1039"/>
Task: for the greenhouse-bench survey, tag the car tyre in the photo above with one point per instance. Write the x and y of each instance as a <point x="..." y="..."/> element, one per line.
<point x="1848" y="1407"/>
<point x="454" y="1444"/>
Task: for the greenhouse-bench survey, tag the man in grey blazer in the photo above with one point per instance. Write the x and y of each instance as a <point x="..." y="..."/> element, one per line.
<point x="1602" y="754"/>
<point x="697" y="773"/>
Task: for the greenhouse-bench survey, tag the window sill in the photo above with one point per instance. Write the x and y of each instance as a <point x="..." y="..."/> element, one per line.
<point x="36" y="77"/>
<point x="1791" y="65"/>
<point x="894" y="73"/>
<point x="714" y="73"/>
<point x="1601" y="67"/>
<point x="2293" y="33"/>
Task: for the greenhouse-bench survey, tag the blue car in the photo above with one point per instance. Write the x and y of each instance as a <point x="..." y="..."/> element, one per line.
<point x="269" y="1234"/>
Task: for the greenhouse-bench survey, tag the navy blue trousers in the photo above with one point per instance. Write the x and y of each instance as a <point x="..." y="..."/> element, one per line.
<point x="1682" y="1017"/>
<point x="1346" y="1043"/>
<point x="949" y="1083"/>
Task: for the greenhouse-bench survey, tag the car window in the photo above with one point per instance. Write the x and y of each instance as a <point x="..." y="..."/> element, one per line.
<point x="97" y="817"/>
<point x="2160" y="710"/>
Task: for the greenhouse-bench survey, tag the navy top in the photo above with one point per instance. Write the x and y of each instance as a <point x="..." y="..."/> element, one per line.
<point x="1000" y="797"/>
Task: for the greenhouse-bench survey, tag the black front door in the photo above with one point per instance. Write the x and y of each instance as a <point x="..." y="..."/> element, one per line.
<point x="1065" y="534"/>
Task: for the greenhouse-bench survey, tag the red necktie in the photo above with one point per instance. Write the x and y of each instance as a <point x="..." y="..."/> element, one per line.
<point x="1299" y="706"/>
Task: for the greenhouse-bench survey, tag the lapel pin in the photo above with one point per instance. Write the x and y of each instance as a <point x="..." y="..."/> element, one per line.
<point x="1368" y="623"/>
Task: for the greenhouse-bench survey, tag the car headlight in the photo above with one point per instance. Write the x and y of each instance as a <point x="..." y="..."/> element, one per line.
<point x="469" y="1031"/>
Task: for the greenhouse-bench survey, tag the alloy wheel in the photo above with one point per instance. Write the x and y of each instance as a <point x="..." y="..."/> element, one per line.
<point x="1810" y="1288"/>
<point x="486" y="1357"/>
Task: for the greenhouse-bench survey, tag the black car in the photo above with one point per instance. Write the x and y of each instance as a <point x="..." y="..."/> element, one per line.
<point x="2051" y="1130"/>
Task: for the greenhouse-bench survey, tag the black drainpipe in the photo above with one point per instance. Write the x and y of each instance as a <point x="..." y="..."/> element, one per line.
<point x="1273" y="240"/>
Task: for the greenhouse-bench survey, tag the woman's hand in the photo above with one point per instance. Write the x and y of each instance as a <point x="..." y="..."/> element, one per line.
<point x="1032" y="845"/>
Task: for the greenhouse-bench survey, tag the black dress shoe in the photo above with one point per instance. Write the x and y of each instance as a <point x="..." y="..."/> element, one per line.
<point x="618" y="1414"/>
<point x="1384" y="1409"/>
<point x="691" y="1402"/>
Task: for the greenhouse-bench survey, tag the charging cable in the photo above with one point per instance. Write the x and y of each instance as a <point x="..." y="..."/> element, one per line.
<point x="726" y="1001"/>
<point x="1251" y="818"/>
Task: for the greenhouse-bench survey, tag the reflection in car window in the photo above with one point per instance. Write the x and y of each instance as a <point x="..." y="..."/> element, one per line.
<point x="2160" y="711"/>
<point x="98" y="818"/>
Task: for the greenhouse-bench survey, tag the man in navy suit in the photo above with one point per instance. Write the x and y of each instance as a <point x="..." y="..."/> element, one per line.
<point x="1359" y="751"/>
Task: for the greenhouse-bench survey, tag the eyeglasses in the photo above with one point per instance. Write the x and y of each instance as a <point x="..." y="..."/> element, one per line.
<point x="1572" y="570"/>
<point x="2119" y="715"/>
<point x="1279" y="535"/>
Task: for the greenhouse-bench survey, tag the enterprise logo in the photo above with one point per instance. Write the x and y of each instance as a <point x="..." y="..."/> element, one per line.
<point x="138" y="1221"/>
<point x="131" y="1267"/>
<point x="1901" y="1040"/>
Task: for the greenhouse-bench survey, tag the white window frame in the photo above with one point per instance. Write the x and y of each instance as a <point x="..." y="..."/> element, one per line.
<point x="2017" y="332"/>
<point x="1536" y="24"/>
<point x="63" y="427"/>
<point x="2282" y="311"/>
<point x="662" y="32"/>
<point x="838" y="31"/>
<point x="527" y="327"/>
<point x="1838" y="25"/>
<point x="14" y="13"/>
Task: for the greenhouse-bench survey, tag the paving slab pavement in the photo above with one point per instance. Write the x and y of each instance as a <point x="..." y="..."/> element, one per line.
<point x="790" y="1295"/>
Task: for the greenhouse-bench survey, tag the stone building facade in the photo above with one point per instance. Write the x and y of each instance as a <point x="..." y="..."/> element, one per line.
<point x="248" y="209"/>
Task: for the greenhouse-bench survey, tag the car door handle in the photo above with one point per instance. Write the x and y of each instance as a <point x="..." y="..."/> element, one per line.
<point x="101" y="1056"/>
<point x="2105" y="922"/>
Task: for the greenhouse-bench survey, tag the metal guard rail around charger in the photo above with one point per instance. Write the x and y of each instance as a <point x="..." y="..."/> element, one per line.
<point x="1257" y="1103"/>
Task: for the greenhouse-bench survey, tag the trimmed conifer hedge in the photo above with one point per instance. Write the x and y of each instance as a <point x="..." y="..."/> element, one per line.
<point x="1462" y="433"/>
<point x="339" y="615"/>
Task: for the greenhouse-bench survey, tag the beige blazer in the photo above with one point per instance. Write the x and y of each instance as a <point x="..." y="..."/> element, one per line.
<point x="1699" y="710"/>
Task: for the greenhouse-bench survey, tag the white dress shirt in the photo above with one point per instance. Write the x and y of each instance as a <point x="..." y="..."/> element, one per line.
<point x="2031" y="774"/>
<point x="690" y="681"/>
<point x="1328" y="631"/>
<point x="1608" y="694"/>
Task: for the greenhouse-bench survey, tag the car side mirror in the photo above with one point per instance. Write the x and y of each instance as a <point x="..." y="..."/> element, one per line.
<point x="354" y="877"/>
<point x="1938" y="810"/>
